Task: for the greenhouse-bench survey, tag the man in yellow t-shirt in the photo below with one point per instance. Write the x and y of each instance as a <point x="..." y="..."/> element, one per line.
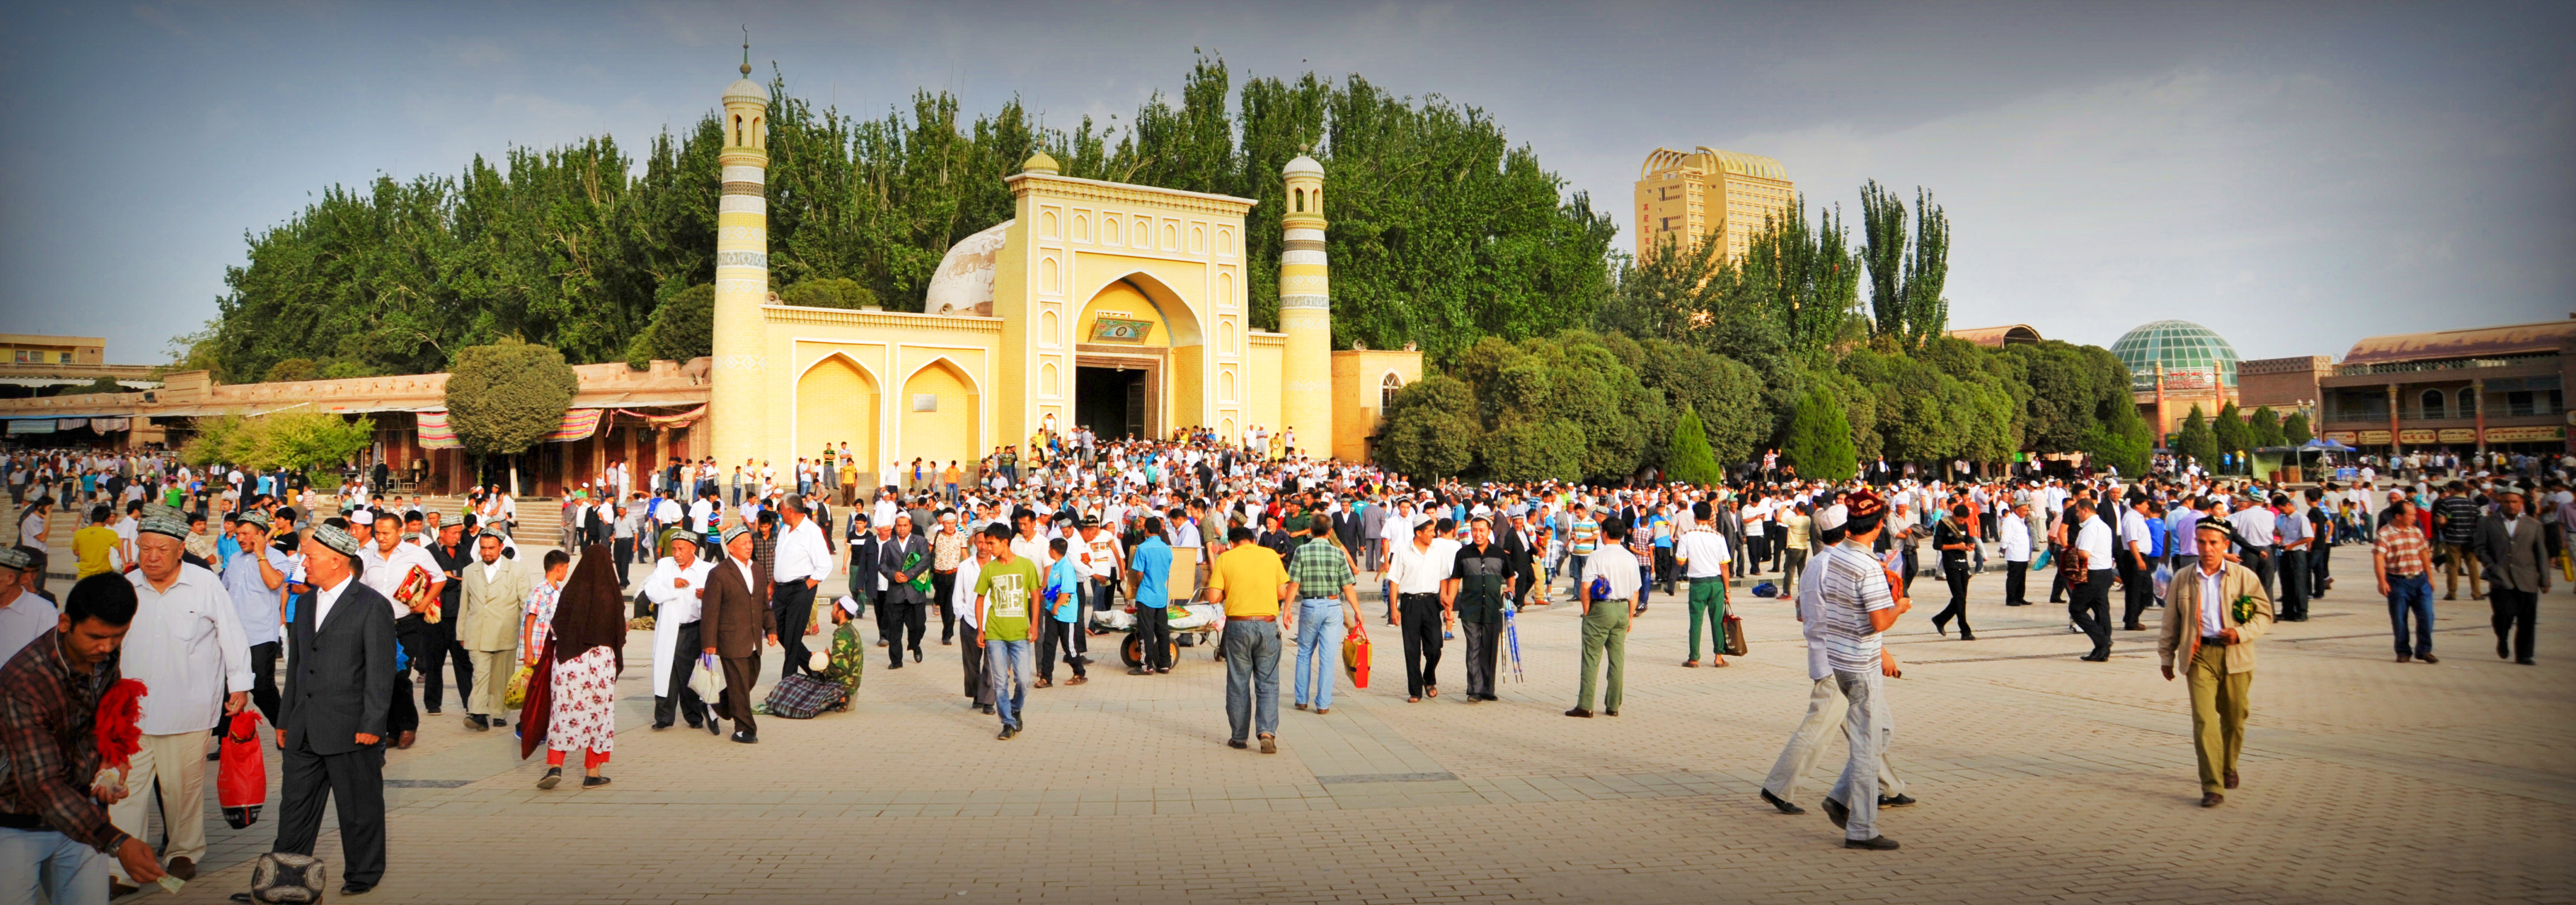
<point x="1249" y="580"/>
<point x="94" y="545"/>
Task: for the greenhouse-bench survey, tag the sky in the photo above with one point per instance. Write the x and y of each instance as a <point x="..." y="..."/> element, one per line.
<point x="2295" y="176"/>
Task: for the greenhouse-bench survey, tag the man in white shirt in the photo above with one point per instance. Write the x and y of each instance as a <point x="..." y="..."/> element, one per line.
<point x="2089" y="603"/>
<point x="1416" y="573"/>
<point x="799" y="563"/>
<point x="961" y="599"/>
<point x="388" y="562"/>
<point x="186" y="646"/>
<point x="2014" y="532"/>
<point x="24" y="615"/>
<point x="677" y="588"/>
<point x="1704" y="557"/>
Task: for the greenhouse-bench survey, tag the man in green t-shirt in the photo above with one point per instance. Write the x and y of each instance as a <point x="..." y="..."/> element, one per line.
<point x="1005" y="598"/>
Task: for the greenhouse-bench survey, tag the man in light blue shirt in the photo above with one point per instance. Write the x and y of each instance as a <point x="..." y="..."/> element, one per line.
<point x="1151" y="563"/>
<point x="252" y="578"/>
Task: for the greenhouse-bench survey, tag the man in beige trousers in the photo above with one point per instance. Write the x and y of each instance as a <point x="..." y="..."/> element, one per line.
<point x="2213" y="636"/>
<point x="495" y="597"/>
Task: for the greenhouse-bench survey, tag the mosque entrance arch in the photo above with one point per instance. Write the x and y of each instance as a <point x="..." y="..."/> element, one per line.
<point x="1138" y="356"/>
<point x="836" y="403"/>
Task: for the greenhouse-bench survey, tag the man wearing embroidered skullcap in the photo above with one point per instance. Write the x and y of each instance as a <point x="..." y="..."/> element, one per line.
<point x="187" y="646"/>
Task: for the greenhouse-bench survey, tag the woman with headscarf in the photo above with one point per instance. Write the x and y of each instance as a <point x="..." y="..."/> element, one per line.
<point x="577" y="641"/>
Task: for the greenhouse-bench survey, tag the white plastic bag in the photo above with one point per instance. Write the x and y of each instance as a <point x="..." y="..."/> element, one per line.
<point x="708" y="678"/>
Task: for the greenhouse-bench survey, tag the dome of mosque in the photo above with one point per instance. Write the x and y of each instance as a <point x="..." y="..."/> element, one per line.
<point x="746" y="89"/>
<point x="1303" y="165"/>
<point x="2181" y="346"/>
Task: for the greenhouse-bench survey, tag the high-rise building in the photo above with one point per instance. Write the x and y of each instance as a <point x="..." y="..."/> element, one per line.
<point x="1685" y="197"/>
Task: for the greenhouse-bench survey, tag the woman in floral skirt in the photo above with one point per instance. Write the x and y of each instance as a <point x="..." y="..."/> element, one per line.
<point x="581" y="631"/>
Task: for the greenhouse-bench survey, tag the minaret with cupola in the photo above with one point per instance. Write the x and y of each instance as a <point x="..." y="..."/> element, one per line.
<point x="1305" y="312"/>
<point x="742" y="273"/>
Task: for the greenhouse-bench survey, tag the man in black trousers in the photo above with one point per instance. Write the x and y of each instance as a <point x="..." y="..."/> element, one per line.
<point x="441" y="646"/>
<point x="339" y="688"/>
<point x="2089" y="601"/>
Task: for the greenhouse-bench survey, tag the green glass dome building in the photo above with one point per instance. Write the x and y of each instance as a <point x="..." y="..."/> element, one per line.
<point x="2179" y="346"/>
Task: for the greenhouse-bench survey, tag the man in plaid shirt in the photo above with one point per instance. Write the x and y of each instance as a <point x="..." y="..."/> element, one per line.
<point x="2404" y="563"/>
<point x="1322" y="580"/>
<point x="52" y="821"/>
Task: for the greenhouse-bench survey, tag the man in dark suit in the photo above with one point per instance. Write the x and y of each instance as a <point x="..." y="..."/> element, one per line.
<point x="733" y="624"/>
<point x="902" y="604"/>
<point x="339" y="688"/>
<point x="865" y="542"/>
<point x="2517" y="573"/>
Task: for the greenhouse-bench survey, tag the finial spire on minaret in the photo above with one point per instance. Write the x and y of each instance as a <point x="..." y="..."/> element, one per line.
<point x="746" y="51"/>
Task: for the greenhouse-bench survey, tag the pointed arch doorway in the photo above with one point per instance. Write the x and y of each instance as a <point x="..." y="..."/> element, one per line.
<point x="1137" y="356"/>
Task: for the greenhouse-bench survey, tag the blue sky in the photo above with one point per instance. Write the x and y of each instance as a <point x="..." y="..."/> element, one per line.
<point x="2295" y="176"/>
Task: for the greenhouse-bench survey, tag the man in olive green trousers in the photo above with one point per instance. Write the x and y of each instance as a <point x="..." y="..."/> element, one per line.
<point x="1608" y="591"/>
<point x="2212" y="616"/>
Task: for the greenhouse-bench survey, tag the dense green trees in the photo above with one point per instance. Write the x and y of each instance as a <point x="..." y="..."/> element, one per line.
<point x="1690" y="459"/>
<point x="2295" y="430"/>
<point x="1819" y="444"/>
<point x="506" y="397"/>
<point x="1443" y="230"/>
<point x="1905" y="278"/>
<point x="2197" y="441"/>
<point x="294" y="440"/>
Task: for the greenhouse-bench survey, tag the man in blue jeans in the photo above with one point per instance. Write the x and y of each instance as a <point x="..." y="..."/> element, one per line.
<point x="2404" y="563"/>
<point x="1250" y="581"/>
<point x="1322" y="581"/>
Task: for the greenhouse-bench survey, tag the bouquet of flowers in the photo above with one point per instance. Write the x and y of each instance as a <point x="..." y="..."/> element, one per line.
<point x="119" y="732"/>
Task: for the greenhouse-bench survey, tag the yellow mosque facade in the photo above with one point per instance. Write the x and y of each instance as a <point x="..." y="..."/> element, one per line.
<point x="1118" y="307"/>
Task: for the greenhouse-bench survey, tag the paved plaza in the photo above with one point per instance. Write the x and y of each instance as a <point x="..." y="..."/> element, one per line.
<point x="2040" y="778"/>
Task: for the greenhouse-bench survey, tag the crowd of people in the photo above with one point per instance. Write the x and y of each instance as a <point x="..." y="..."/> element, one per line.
<point x="214" y="575"/>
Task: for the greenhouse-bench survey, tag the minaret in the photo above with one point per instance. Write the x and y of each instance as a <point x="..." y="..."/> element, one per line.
<point x="1305" y="313"/>
<point x="737" y="424"/>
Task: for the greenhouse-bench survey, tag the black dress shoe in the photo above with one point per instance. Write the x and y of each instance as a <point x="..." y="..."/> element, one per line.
<point x="916" y="655"/>
<point x="712" y="728"/>
<point x="746" y="738"/>
<point x="1895" y="801"/>
<point x="657" y="727"/>
<point x="1836" y="812"/>
<point x="356" y="889"/>
<point x="1873" y="843"/>
<point x="2503" y="650"/>
<point x="241" y="897"/>
<point x="1784" y="806"/>
<point x="2525" y="661"/>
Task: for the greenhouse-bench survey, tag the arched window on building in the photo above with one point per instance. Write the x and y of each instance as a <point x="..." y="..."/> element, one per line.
<point x="2468" y="406"/>
<point x="1386" y="389"/>
<point x="2433" y="404"/>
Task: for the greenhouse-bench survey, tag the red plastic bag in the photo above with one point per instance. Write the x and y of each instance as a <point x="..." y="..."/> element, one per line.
<point x="242" y="784"/>
<point x="1355" y="658"/>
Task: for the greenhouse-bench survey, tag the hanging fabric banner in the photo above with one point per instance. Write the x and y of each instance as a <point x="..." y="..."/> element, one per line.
<point x="110" y="425"/>
<point x="434" y="432"/>
<point x="682" y="419"/>
<point x="23" y="426"/>
<point x="578" y="424"/>
<point x="70" y="424"/>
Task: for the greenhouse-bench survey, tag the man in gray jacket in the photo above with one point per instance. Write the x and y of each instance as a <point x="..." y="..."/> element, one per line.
<point x="2509" y="543"/>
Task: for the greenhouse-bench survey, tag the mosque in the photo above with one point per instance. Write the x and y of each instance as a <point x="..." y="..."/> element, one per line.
<point x="1113" y="306"/>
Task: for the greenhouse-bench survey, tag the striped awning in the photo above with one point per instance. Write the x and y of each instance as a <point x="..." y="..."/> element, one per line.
<point x="436" y="433"/>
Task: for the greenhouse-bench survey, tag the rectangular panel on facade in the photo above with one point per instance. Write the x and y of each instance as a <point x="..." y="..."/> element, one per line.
<point x="2525" y="434"/>
<point x="2416" y="435"/>
<point x="2374" y="438"/>
<point x="2344" y="437"/>
<point x="925" y="402"/>
<point x="2458" y="435"/>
